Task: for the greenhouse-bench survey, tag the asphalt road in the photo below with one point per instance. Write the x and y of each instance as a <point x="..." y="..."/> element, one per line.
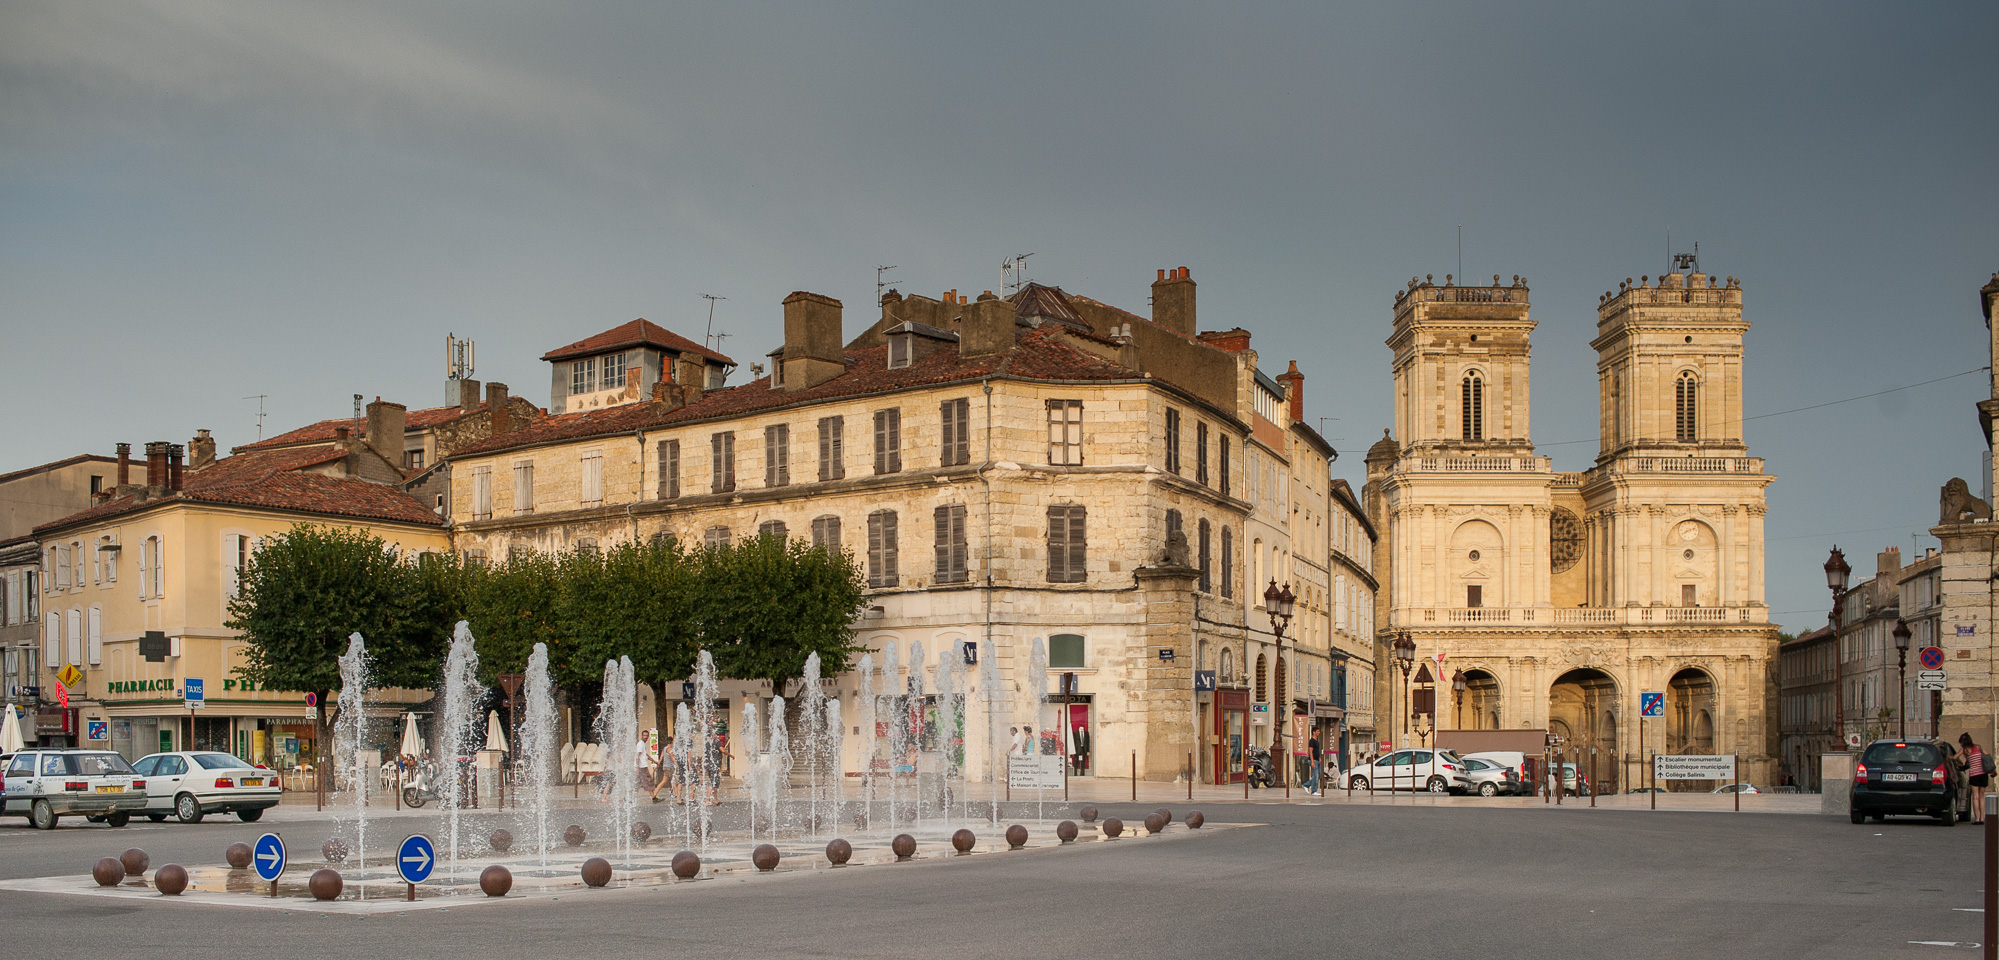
<point x="1530" y="881"/>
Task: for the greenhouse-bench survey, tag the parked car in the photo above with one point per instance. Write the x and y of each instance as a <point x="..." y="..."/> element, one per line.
<point x="1907" y="777"/>
<point x="1736" y="788"/>
<point x="1490" y="778"/>
<point x="190" y="784"/>
<point x="1513" y="760"/>
<point x="1437" y="771"/>
<point x="46" y="785"/>
<point x="1574" y="783"/>
<point x="1646" y="790"/>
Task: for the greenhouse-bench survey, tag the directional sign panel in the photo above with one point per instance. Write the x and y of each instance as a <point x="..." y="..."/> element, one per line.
<point x="1693" y="767"/>
<point x="1651" y="704"/>
<point x="416" y="858"/>
<point x="194" y="692"/>
<point x="268" y="856"/>
<point x="1930" y="680"/>
<point x="1931" y="658"/>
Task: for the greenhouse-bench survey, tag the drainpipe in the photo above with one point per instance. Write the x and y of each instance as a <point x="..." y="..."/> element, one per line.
<point x="987" y="387"/>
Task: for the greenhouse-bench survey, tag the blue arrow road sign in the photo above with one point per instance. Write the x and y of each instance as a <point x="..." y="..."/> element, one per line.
<point x="415" y="859"/>
<point x="268" y="856"/>
<point x="1651" y="704"/>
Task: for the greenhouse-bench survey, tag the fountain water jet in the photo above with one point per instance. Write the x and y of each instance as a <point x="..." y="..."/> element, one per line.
<point x="463" y="695"/>
<point x="618" y="730"/>
<point x="536" y="766"/>
<point x="707" y="759"/>
<point x="754" y="766"/>
<point x="835" y="746"/>
<point x="777" y="765"/>
<point x="812" y="726"/>
<point x="870" y="740"/>
<point x="989" y="682"/>
<point x="351" y="734"/>
<point x="1037" y="697"/>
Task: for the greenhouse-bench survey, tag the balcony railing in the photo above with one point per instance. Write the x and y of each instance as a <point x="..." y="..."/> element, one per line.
<point x="1595" y="616"/>
<point x="1473" y="465"/>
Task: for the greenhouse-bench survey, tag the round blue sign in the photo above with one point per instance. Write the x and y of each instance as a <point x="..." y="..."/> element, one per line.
<point x="267" y="855"/>
<point x="415" y="859"/>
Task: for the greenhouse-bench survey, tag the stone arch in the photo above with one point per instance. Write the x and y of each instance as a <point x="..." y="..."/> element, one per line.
<point x="1475" y="559"/>
<point x="1225" y="669"/>
<point x="1692" y="559"/>
<point x="1481" y="700"/>
<point x="1691" y="708"/>
<point x="1578" y="702"/>
<point x="1262" y="692"/>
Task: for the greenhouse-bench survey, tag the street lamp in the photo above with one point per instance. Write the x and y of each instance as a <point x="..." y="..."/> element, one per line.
<point x="1278" y="603"/>
<point x="1458" y="697"/>
<point x="1405" y="658"/>
<point x="1836" y="572"/>
<point x="1902" y="667"/>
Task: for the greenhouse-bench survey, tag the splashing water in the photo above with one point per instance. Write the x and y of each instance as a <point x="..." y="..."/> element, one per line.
<point x="947" y="690"/>
<point x="1037" y="696"/>
<point x="777" y="764"/>
<point x="463" y="695"/>
<point x="351" y="733"/>
<point x="537" y="749"/>
<point x="989" y="683"/>
<point x="870" y="741"/>
<point x="684" y="759"/>
<point x="898" y="725"/>
<point x="835" y="740"/>
<point x="812" y="727"/>
<point x="618" y="730"/>
<point x="753" y="760"/>
<point x="707" y="761"/>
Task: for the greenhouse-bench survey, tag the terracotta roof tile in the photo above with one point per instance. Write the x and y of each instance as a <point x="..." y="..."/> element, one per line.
<point x="272" y="478"/>
<point x="324" y="430"/>
<point x="640" y="332"/>
<point x="1037" y="355"/>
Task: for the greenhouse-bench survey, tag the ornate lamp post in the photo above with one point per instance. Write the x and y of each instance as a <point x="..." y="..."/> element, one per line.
<point x="1836" y="571"/>
<point x="510" y="687"/>
<point x="1458" y="697"/>
<point x="1278" y="603"/>
<point x="1902" y="667"/>
<point x="1405" y="658"/>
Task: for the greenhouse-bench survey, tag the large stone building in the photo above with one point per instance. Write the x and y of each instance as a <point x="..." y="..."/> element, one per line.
<point x="1040" y="466"/>
<point x="1969" y="581"/>
<point x="1562" y="596"/>
<point x="29" y="497"/>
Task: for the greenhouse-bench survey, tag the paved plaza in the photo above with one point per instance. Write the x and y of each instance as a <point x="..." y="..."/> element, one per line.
<point x="1451" y="877"/>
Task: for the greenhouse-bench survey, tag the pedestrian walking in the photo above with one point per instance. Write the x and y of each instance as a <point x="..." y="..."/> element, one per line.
<point x="1312" y="777"/>
<point x="1978" y="769"/>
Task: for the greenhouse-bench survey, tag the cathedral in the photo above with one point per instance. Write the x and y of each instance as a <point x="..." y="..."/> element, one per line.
<point x="1561" y="597"/>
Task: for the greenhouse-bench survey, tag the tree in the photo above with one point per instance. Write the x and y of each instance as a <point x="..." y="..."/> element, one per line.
<point x="763" y="605"/>
<point x="511" y="606"/>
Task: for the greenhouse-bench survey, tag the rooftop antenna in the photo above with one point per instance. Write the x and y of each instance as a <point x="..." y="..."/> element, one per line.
<point x="1461" y="250"/>
<point x="881" y="283"/>
<point x="709" y="339"/>
<point x="457" y="366"/>
<point x="1016" y="266"/>
<point x="260" y="398"/>
<point x="357" y="416"/>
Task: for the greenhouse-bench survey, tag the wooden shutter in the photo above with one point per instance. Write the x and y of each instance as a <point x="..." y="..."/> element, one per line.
<point x="960" y="559"/>
<point x="947" y="416"/>
<point x="1078" y="565"/>
<point x="942" y="517"/>
<point x="1058" y="551"/>
<point x="881" y="441"/>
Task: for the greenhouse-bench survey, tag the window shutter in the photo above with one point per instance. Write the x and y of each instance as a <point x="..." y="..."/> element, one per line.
<point x="1078" y="566"/>
<point x="943" y="524"/>
<point x="52" y="640"/>
<point x="825" y="448"/>
<point x="74" y="641"/>
<point x="890" y="544"/>
<point x="232" y="545"/>
<point x="960" y="561"/>
<point x="948" y="430"/>
<point x="874" y="550"/>
<point x="96" y="636"/>
<point x="895" y="440"/>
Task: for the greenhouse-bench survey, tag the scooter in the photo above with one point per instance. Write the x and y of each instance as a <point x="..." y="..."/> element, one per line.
<point x="419" y="789"/>
<point x="1262" y="773"/>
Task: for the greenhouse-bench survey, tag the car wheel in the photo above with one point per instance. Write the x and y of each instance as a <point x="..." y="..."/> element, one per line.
<point x="118" y="819"/>
<point x="187" y="808"/>
<point x="42" y="815"/>
<point x="93" y="818"/>
<point x="250" y="816"/>
<point x="157" y="817"/>
<point x="1437" y="785"/>
<point x="1487" y="790"/>
<point x="1359" y="783"/>
<point x="1858" y="817"/>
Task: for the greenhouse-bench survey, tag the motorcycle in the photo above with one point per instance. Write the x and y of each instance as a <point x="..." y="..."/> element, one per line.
<point x="420" y="788"/>
<point x="1262" y="772"/>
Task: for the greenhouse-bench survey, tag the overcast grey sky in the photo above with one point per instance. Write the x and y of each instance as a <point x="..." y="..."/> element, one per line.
<point x="202" y="200"/>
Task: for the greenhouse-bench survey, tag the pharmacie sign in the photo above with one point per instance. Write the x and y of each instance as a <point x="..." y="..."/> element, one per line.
<point x="162" y="685"/>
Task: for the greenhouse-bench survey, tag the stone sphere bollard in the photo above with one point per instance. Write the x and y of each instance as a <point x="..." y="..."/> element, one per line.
<point x="1089" y="814"/>
<point x="496" y="880"/>
<point x="108" y="872"/>
<point x="325" y="884"/>
<point x="904" y="846"/>
<point x="1016" y="837"/>
<point x="1164" y="814"/>
<point x="1113" y="827"/>
<point x="641" y="831"/>
<point x="170" y="880"/>
<point x="1066" y="831"/>
<point x="334" y="850"/>
<point x="839" y="852"/>
<point x="573" y="836"/>
<point x="765" y="856"/>
<point x="136" y="861"/>
<point x="1194" y="820"/>
<point x="686" y="864"/>
<point x="596" y="872"/>
<point x="1154" y="823"/>
<point x="237" y="855"/>
<point x="963" y="841"/>
<point x="501" y="840"/>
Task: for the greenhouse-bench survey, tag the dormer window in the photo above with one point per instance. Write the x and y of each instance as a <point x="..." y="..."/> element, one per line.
<point x="613" y="372"/>
<point x="583" y="376"/>
<point x="901" y="350"/>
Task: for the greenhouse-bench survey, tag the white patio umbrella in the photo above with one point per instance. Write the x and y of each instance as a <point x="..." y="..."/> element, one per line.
<point x="412" y="740"/>
<point x="496" y="732"/>
<point x="10" y="732"/>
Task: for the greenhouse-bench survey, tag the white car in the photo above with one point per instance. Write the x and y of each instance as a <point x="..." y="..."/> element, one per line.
<point x="45" y="785"/>
<point x="190" y="784"/>
<point x="1437" y="771"/>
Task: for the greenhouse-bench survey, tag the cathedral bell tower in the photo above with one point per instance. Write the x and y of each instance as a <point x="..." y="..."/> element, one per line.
<point x="1669" y="367"/>
<point x="1461" y="381"/>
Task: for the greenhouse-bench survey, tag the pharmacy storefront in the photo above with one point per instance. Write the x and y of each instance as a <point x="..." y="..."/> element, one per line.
<point x="138" y="717"/>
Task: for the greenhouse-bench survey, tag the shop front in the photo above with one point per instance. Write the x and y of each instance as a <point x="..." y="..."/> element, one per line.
<point x="1231" y="734"/>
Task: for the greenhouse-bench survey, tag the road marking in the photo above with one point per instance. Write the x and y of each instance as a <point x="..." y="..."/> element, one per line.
<point x="1944" y="943"/>
<point x="1969" y="909"/>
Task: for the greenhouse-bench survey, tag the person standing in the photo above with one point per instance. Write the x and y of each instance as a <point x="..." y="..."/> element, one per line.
<point x="1977" y="769"/>
<point x="1312" y="778"/>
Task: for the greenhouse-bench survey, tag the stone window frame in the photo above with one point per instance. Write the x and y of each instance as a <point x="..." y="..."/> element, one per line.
<point x="1068" y="543"/>
<point x="888" y="441"/>
<point x="1471" y="411"/>
<point x="1686" y="407"/>
<point x="882" y="549"/>
<point x="953" y="555"/>
<point x="777" y="455"/>
<point x="832" y="448"/>
<point x="955" y="436"/>
<point x="722" y="462"/>
<point x="1065" y="433"/>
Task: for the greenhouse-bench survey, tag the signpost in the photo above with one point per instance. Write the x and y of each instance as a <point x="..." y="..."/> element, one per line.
<point x="193" y="692"/>
<point x="1650" y="706"/>
<point x="415" y="859"/>
<point x="97" y="730"/>
<point x="268" y="857"/>
<point x="69" y="675"/>
<point x="1040" y="771"/>
<point x="1697" y="766"/>
<point x="1931" y="658"/>
<point x="1930" y="680"/>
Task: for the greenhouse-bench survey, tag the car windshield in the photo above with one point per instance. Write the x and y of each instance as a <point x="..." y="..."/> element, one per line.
<point x="220" y="761"/>
<point x="1922" y="753"/>
<point x="102" y="765"/>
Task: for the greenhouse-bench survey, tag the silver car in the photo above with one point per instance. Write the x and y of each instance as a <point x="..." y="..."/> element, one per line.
<point x="190" y="784"/>
<point x="1489" y="779"/>
<point x="45" y="785"/>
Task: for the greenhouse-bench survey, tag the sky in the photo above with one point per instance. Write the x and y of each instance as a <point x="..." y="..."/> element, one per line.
<point x="202" y="202"/>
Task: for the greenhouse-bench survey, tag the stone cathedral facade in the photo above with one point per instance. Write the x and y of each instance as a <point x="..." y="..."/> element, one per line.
<point x="1564" y="595"/>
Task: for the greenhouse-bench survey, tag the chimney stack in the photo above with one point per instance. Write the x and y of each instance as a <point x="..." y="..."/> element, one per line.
<point x="124" y="464"/>
<point x="156" y="464"/>
<point x="1888" y="562"/>
<point x="1173" y="301"/>
<point x="987" y="328"/>
<point x="502" y="412"/>
<point x="340" y="435"/>
<point x="1294" y="391"/>
<point x="200" y="450"/>
<point x="174" y="451"/>
<point x="385" y="429"/>
<point x="689" y="373"/>
<point x="468" y="395"/>
<point x="812" y="352"/>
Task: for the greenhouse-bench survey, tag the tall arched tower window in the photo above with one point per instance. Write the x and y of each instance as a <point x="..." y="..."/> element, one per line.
<point x="1474" y="407"/>
<point x="1686" y="408"/>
